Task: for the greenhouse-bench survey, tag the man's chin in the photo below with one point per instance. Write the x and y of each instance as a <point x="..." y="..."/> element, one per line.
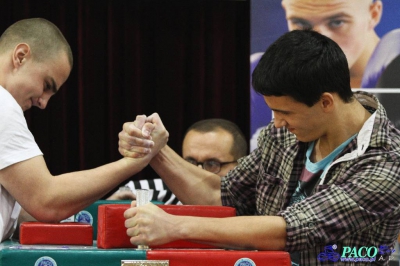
<point x="26" y="107"/>
<point x="301" y="138"/>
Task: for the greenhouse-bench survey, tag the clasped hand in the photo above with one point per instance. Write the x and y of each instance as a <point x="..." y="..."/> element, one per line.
<point x="146" y="135"/>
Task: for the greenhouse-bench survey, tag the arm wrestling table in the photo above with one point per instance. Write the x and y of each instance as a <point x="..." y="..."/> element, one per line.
<point x="111" y="245"/>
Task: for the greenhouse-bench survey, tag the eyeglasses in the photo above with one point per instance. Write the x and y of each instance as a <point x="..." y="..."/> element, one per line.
<point x="210" y="165"/>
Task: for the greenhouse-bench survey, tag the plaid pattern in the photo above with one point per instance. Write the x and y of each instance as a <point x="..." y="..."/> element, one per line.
<point x="358" y="204"/>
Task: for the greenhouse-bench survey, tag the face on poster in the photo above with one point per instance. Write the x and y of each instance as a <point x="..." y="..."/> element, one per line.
<point x="367" y="31"/>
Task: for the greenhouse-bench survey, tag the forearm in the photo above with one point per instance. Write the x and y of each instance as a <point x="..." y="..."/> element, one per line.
<point x="91" y="185"/>
<point x="191" y="184"/>
<point x="242" y="232"/>
<point x="52" y="198"/>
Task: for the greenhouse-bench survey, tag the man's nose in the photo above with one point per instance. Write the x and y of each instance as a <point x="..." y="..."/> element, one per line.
<point x="279" y="122"/>
<point x="42" y="102"/>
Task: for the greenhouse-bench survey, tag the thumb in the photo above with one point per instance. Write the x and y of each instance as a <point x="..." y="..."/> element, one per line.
<point x="147" y="130"/>
<point x="140" y="121"/>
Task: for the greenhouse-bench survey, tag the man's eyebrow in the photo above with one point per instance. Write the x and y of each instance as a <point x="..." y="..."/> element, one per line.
<point x="337" y="16"/>
<point x="332" y="17"/>
<point x="280" y="111"/>
<point x="299" y="19"/>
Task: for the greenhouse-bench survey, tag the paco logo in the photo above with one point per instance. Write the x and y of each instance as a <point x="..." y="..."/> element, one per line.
<point x="329" y="254"/>
<point x="362" y="252"/>
<point x="354" y="254"/>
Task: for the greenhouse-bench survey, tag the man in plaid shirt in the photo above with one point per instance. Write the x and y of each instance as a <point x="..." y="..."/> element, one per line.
<point x="323" y="183"/>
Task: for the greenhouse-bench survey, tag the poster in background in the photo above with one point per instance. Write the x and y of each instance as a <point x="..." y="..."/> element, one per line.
<point x="268" y="23"/>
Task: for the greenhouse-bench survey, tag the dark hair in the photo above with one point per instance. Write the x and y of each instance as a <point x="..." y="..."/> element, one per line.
<point x="44" y="38"/>
<point x="239" y="147"/>
<point x="303" y="64"/>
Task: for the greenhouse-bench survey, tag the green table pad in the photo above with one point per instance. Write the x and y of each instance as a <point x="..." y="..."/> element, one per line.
<point x="12" y="254"/>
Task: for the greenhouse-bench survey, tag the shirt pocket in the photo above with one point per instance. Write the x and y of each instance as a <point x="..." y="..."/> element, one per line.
<point x="269" y="194"/>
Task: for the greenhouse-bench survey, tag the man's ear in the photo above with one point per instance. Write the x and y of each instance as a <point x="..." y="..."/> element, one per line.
<point x="22" y="52"/>
<point x="375" y="9"/>
<point x="327" y="101"/>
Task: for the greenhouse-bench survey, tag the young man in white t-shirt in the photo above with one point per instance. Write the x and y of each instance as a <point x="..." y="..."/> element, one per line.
<point x="35" y="60"/>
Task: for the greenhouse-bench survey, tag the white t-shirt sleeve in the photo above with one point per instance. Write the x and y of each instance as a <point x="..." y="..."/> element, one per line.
<point x="16" y="141"/>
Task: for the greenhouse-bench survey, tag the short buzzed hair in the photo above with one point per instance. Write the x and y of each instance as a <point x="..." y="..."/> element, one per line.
<point x="43" y="37"/>
<point x="239" y="147"/>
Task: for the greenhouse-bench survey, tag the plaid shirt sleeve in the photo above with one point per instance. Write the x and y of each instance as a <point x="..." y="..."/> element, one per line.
<point x="255" y="186"/>
<point x="237" y="188"/>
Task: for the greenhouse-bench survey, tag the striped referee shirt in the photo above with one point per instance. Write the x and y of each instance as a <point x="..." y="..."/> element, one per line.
<point x="158" y="190"/>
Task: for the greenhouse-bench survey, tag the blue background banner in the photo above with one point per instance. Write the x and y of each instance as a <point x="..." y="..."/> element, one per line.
<point x="268" y="23"/>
